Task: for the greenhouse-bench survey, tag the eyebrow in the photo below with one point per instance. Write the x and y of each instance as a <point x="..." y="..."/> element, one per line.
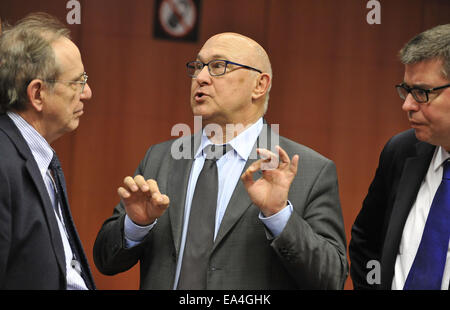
<point x="422" y="86"/>
<point x="79" y="76"/>
<point x="215" y="56"/>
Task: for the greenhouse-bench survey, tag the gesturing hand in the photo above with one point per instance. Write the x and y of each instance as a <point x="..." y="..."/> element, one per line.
<point x="142" y="199"/>
<point x="270" y="192"/>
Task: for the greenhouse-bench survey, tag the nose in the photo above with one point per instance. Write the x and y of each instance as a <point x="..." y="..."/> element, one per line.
<point x="203" y="77"/>
<point x="410" y="104"/>
<point x="87" y="92"/>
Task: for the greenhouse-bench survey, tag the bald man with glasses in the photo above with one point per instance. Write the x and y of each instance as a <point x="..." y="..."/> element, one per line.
<point x="220" y="218"/>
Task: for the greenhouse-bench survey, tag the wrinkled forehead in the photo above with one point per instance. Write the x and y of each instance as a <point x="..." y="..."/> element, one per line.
<point x="226" y="46"/>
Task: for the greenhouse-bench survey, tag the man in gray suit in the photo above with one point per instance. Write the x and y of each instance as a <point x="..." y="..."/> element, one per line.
<point x="268" y="227"/>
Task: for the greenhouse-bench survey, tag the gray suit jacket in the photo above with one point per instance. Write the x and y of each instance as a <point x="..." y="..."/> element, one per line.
<point x="310" y="253"/>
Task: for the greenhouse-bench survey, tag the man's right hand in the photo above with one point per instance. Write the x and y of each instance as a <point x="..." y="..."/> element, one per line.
<point x="142" y="199"/>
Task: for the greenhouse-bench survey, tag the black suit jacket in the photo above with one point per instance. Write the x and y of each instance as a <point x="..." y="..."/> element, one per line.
<point x="31" y="249"/>
<point x="377" y="231"/>
<point x="310" y="253"/>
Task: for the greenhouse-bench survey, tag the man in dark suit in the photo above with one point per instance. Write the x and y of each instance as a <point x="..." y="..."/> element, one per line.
<point x="42" y="83"/>
<point x="406" y="207"/>
<point x="256" y="224"/>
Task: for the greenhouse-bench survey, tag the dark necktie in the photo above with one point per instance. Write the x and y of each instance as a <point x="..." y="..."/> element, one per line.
<point x="62" y="210"/>
<point x="200" y="234"/>
<point x="59" y="184"/>
<point x="428" y="266"/>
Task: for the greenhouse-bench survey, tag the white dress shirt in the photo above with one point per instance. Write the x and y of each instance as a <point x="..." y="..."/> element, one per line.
<point x="43" y="154"/>
<point x="415" y="223"/>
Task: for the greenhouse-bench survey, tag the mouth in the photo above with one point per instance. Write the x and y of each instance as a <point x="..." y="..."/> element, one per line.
<point x="200" y="96"/>
<point x="414" y="123"/>
<point x="79" y="111"/>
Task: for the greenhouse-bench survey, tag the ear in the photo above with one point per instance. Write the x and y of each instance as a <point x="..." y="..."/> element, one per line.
<point x="261" y="87"/>
<point x="35" y="94"/>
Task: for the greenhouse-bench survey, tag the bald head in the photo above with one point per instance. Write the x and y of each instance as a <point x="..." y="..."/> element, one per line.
<point x="242" y="49"/>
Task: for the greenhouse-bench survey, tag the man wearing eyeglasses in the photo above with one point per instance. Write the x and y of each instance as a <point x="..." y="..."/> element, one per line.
<point x="404" y="223"/>
<point x="43" y="87"/>
<point x="227" y="221"/>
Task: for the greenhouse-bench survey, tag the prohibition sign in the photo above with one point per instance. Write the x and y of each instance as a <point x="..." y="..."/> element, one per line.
<point x="177" y="17"/>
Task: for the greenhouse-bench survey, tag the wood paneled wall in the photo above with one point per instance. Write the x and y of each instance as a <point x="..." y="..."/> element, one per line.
<point x="333" y="88"/>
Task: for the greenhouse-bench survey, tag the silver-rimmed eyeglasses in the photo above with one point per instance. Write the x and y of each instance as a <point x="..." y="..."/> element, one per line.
<point x="82" y="81"/>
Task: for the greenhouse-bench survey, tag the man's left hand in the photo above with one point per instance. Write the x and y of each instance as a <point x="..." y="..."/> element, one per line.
<point x="270" y="192"/>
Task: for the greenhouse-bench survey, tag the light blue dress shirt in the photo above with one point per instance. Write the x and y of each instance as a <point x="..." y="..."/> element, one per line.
<point x="230" y="168"/>
<point x="43" y="154"/>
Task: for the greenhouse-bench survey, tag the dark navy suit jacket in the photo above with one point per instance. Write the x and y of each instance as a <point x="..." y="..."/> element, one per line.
<point x="31" y="249"/>
<point x="377" y="231"/>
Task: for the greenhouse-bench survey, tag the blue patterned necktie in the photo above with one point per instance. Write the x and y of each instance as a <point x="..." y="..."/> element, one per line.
<point x="428" y="266"/>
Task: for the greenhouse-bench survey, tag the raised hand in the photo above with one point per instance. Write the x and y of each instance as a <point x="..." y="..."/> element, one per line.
<point x="270" y="192"/>
<point x="142" y="199"/>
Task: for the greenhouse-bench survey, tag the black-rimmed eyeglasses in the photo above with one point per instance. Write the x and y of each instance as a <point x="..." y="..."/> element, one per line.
<point x="216" y="67"/>
<point x="83" y="82"/>
<point x="419" y="94"/>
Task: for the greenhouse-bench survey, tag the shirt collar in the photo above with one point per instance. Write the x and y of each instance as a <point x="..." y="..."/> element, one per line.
<point x="441" y="156"/>
<point x="242" y="144"/>
<point x="41" y="150"/>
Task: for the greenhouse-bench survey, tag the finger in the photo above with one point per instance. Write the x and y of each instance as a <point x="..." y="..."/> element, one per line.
<point x="158" y="198"/>
<point x="247" y="176"/>
<point x="123" y="193"/>
<point x="153" y="186"/>
<point x="270" y="159"/>
<point x="294" y="164"/>
<point x="154" y="191"/>
<point x="140" y="181"/>
<point x="130" y="184"/>
<point x="265" y="154"/>
<point x="162" y="201"/>
<point x="284" y="157"/>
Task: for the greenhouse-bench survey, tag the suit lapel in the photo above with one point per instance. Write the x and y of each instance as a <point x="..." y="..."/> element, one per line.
<point x="30" y="163"/>
<point x="48" y="212"/>
<point x="411" y="179"/>
<point x="177" y="189"/>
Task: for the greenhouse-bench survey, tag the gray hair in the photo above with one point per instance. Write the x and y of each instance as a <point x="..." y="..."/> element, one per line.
<point x="430" y="44"/>
<point x="26" y="54"/>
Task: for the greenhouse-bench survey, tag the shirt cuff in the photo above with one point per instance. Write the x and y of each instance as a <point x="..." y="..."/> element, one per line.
<point x="276" y="223"/>
<point x="134" y="234"/>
